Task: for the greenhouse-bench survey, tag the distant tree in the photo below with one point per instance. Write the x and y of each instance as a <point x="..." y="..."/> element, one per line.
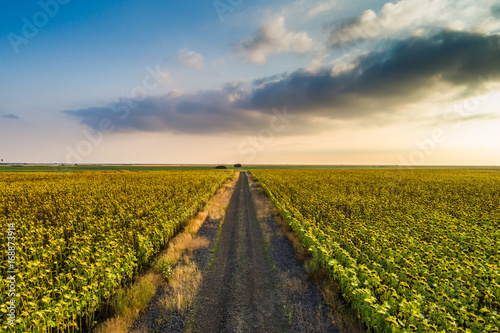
<point x="221" y="167"/>
<point x="237" y="165"/>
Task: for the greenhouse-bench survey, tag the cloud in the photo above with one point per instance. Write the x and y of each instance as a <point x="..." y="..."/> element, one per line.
<point x="495" y="11"/>
<point x="322" y="7"/>
<point x="417" y="17"/>
<point x="189" y="59"/>
<point x="198" y="113"/>
<point x="387" y="80"/>
<point x="456" y="119"/>
<point x="10" y="116"/>
<point x="273" y="38"/>
<point x="301" y="10"/>
<point x="375" y="84"/>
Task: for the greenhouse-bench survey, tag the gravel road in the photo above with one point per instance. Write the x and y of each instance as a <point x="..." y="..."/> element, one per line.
<point x="239" y="293"/>
<point x="251" y="279"/>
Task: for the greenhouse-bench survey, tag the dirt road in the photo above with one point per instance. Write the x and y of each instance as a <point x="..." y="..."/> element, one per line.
<point x="239" y="292"/>
<point x="251" y="279"/>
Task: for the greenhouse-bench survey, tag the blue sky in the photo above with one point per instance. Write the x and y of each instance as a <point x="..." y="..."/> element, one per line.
<point x="359" y="82"/>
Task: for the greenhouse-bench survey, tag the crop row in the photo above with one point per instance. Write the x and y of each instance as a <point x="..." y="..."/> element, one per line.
<point x="411" y="250"/>
<point x="79" y="236"/>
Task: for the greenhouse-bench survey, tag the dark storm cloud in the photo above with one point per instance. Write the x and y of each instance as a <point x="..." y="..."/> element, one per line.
<point x="234" y="87"/>
<point x="10" y="116"/>
<point x="495" y="10"/>
<point x="393" y="77"/>
<point x="379" y="83"/>
<point x="339" y="32"/>
<point x="200" y="113"/>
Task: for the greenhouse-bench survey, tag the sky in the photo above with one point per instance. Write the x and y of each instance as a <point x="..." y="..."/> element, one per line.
<point x="409" y="82"/>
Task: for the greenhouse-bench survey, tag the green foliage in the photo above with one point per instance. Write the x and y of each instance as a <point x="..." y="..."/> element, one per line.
<point x="413" y="250"/>
<point x="80" y="235"/>
<point x="165" y="267"/>
<point x="137" y="297"/>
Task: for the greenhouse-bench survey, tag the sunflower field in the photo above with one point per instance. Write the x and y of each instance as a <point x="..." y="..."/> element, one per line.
<point x="70" y="239"/>
<point x="412" y="250"/>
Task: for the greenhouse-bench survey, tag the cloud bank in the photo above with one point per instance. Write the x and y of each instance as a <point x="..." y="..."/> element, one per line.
<point x="416" y="18"/>
<point x="375" y="83"/>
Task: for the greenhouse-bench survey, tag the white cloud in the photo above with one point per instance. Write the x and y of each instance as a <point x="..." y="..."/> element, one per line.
<point x="273" y="38"/>
<point x="189" y="59"/>
<point x="317" y="61"/>
<point x="301" y="10"/>
<point x="322" y="7"/>
<point x="409" y="17"/>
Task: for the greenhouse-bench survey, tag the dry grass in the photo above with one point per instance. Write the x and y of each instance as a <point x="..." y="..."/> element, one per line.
<point x="187" y="241"/>
<point x="128" y="303"/>
<point x="343" y="316"/>
<point x="266" y="208"/>
<point x="182" y="243"/>
<point x="195" y="223"/>
<point x="217" y="207"/>
<point x="183" y="285"/>
<point x="185" y="279"/>
<point x="301" y="253"/>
